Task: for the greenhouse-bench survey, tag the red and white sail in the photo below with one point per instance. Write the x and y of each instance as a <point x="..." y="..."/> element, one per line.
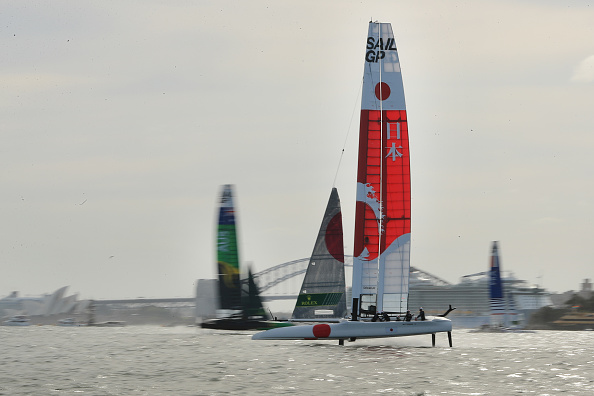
<point x="382" y="220"/>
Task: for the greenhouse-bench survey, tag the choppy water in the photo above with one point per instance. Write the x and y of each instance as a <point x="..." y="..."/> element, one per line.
<point x="137" y="360"/>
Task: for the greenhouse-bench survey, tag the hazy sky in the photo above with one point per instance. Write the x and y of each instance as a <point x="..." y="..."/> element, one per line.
<point x="120" y="121"/>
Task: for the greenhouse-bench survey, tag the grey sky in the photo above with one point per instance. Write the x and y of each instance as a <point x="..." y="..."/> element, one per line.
<point x="119" y="122"/>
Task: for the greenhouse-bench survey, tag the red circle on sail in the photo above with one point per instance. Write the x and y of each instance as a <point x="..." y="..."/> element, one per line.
<point x="382" y="91"/>
<point x="333" y="238"/>
<point x="321" y="331"/>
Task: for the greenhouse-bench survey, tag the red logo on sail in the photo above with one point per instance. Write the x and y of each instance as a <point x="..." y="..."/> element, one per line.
<point x="382" y="91"/>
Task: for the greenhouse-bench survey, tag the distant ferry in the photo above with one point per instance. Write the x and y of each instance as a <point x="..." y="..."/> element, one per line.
<point x="576" y="321"/>
<point x="109" y="323"/>
<point x="17" y="320"/>
<point x="70" y="322"/>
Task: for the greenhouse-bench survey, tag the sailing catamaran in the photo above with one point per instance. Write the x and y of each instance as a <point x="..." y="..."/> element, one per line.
<point x="381" y="262"/>
<point x="323" y="293"/>
<point x="240" y="309"/>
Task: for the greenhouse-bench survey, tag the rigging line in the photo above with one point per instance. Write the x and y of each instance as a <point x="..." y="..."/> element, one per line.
<point x="348" y="132"/>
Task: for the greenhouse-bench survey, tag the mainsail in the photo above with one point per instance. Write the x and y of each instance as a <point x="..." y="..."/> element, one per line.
<point x="322" y="293"/>
<point x="496" y="301"/>
<point x="503" y="310"/>
<point x="382" y="220"/>
<point x="227" y="253"/>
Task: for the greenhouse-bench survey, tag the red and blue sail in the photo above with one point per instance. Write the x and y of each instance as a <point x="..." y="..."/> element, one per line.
<point x="495" y="286"/>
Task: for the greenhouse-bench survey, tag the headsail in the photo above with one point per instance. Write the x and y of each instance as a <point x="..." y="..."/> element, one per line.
<point x="382" y="221"/>
<point x="253" y="308"/>
<point x="322" y="293"/>
<point x="227" y="253"/>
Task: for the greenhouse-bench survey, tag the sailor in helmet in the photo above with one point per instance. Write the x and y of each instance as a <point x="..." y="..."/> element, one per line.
<point x="421" y="315"/>
<point x="408" y="316"/>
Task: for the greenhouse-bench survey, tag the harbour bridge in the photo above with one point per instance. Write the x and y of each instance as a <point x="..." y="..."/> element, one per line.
<point x="280" y="282"/>
<point x="283" y="281"/>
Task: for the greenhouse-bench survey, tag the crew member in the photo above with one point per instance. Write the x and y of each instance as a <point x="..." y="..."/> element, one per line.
<point x="421" y="314"/>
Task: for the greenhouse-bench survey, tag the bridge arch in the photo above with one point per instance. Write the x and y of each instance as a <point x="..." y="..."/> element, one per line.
<point x="273" y="276"/>
<point x="280" y="273"/>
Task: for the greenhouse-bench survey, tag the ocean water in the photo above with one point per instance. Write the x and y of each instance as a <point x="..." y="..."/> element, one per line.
<point x="150" y="360"/>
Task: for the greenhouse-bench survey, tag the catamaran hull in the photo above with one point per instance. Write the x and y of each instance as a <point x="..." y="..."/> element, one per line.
<point x="357" y="329"/>
<point x="240" y="324"/>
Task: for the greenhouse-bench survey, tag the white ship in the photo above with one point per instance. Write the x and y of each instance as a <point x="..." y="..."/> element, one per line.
<point x="471" y="296"/>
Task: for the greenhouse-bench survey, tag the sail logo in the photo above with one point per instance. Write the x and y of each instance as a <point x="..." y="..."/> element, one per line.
<point x="376" y="48"/>
<point x="224" y="241"/>
<point x="309" y="302"/>
<point x="229" y="275"/>
<point x="318" y="299"/>
<point x="393" y="150"/>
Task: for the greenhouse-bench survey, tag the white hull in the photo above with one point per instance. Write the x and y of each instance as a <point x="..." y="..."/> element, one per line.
<point x="113" y="323"/>
<point x="18" y="320"/>
<point x="8" y="323"/>
<point x="357" y="329"/>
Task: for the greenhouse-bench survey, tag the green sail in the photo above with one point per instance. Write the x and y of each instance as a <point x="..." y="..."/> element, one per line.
<point x="227" y="253"/>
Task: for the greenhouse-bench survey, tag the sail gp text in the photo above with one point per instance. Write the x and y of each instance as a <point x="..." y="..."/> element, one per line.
<point x="376" y="49"/>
